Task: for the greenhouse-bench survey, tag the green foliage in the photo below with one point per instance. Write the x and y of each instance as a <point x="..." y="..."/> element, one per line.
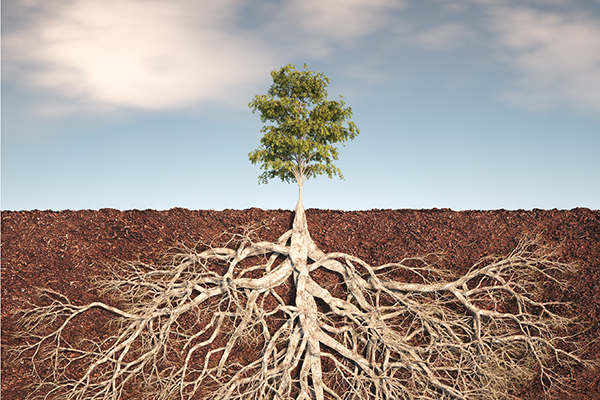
<point x="298" y="145"/>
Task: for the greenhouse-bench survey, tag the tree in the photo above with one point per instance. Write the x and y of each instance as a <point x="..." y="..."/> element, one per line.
<point x="300" y="145"/>
<point x="438" y="336"/>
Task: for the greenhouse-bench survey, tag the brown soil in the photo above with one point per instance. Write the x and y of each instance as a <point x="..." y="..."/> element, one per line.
<point x="64" y="250"/>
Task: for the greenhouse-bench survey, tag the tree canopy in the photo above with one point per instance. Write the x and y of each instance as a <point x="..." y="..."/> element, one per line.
<point x="305" y="126"/>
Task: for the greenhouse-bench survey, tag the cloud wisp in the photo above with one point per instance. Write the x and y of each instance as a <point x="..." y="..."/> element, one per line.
<point x="323" y="24"/>
<point x="444" y="36"/>
<point x="557" y="56"/>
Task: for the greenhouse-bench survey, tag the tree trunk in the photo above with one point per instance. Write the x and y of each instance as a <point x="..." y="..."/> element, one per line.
<point x="301" y="244"/>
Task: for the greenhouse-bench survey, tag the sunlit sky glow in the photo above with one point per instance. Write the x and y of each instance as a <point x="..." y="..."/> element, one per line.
<point x="466" y="104"/>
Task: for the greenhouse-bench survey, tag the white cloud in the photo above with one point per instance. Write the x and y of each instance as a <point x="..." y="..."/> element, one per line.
<point x="157" y="54"/>
<point x="556" y="54"/>
<point x="140" y="54"/>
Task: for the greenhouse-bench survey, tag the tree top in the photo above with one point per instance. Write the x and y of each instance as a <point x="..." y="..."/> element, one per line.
<point x="304" y="127"/>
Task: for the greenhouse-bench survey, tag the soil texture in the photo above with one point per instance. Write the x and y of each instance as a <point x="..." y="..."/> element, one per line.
<point x="64" y="250"/>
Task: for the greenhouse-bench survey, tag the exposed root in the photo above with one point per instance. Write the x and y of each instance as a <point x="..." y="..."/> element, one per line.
<point x="470" y="337"/>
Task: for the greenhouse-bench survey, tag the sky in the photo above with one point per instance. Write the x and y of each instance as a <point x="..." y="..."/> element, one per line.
<point x="143" y="104"/>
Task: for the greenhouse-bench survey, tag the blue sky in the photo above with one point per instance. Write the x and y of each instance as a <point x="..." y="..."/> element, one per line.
<point x="136" y="104"/>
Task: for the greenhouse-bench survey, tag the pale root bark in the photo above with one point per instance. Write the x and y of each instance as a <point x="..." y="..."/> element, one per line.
<point x="470" y="337"/>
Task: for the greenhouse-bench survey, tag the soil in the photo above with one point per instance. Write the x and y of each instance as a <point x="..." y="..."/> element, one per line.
<point x="64" y="250"/>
